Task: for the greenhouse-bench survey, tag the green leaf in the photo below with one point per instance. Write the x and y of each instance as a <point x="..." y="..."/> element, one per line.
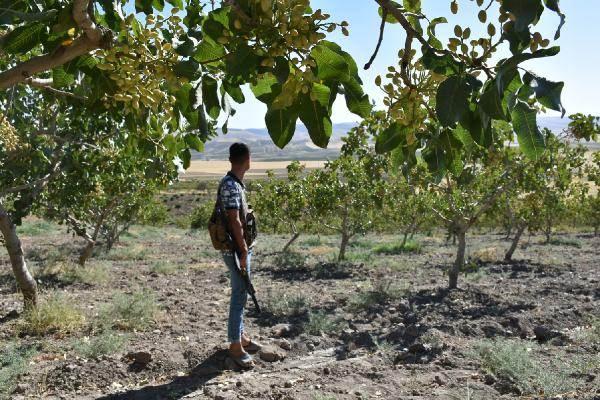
<point x="356" y="100"/>
<point x="186" y="158"/>
<point x="281" y="125"/>
<point x="208" y="50"/>
<point x="61" y="78"/>
<point x="491" y="103"/>
<point x="144" y="6"/>
<point x="194" y="142"/>
<point x="452" y="100"/>
<point x="548" y="93"/>
<point x="24" y="38"/>
<point x="210" y="97"/>
<point x="330" y="65"/>
<point x="234" y="91"/>
<point x="189" y="69"/>
<point x="442" y="65"/>
<point x="176" y="3"/>
<point x="267" y="87"/>
<point x="389" y="18"/>
<point x="526" y="12"/>
<point x="531" y="140"/>
<point x="113" y="15"/>
<point x="433" y="40"/>
<point x="315" y="114"/>
<point x="507" y="69"/>
<point x="390" y="138"/>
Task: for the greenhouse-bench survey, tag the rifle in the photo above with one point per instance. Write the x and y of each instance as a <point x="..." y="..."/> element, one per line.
<point x="243" y="274"/>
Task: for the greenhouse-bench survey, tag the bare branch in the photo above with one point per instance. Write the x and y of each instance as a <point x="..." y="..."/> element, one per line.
<point x="47" y="85"/>
<point x="381" y="29"/>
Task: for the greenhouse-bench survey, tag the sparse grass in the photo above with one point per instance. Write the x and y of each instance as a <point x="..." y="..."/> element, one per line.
<point x="320" y="323"/>
<point x="130" y="311"/>
<point x="127" y="253"/>
<point x="36" y="227"/>
<point x="386" y="349"/>
<point x="91" y="274"/>
<point x="590" y="333"/>
<point x="359" y="256"/>
<point x="561" y="241"/>
<point x="362" y="244"/>
<point x="321" y="396"/>
<point x="283" y="305"/>
<point x="14" y="360"/>
<point x="380" y="292"/>
<point x="163" y="267"/>
<point x="487" y="254"/>
<point x="411" y="246"/>
<point x="55" y="313"/>
<point x="106" y="343"/>
<point x="515" y="362"/>
<point x="312" y="241"/>
<point x="290" y="260"/>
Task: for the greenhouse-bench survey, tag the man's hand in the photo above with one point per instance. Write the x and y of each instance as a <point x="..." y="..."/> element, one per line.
<point x="244" y="260"/>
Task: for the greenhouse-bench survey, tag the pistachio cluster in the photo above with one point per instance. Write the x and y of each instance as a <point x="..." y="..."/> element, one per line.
<point x="141" y="63"/>
<point x="9" y="140"/>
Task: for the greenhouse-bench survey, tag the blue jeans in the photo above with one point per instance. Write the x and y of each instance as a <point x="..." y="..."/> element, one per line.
<point x="239" y="296"/>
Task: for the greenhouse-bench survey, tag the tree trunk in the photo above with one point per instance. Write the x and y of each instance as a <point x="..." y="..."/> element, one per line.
<point x="596" y="229"/>
<point x="291" y="241"/>
<point x="404" y="239"/>
<point x="343" y="245"/>
<point x="24" y="279"/>
<point x="345" y="235"/>
<point x="515" y="242"/>
<point x="86" y="252"/>
<point x="460" y="260"/>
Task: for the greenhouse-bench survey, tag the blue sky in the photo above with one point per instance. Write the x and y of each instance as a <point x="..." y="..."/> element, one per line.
<point x="577" y="64"/>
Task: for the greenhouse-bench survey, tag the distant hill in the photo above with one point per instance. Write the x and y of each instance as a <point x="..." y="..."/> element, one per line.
<point x="302" y="148"/>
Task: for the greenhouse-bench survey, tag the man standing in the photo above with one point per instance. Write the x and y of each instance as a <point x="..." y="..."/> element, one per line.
<point x="232" y="195"/>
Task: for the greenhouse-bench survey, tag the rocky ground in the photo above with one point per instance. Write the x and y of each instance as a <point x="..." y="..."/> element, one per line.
<point x="375" y="327"/>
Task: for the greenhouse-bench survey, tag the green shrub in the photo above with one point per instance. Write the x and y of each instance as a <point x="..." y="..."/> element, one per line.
<point x="106" y="343"/>
<point x="320" y="323"/>
<point x="130" y="311"/>
<point x="154" y="214"/>
<point x="163" y="267"/>
<point x="201" y="215"/>
<point x="36" y="227"/>
<point x="91" y="274"/>
<point x="282" y="305"/>
<point x="380" y="292"/>
<point x="56" y="313"/>
<point x="515" y="362"/>
<point x="290" y="260"/>
<point x="14" y="361"/>
<point x="411" y="246"/>
<point x="558" y="241"/>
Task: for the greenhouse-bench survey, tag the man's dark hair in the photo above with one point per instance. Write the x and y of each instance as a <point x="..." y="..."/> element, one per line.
<point x="238" y="152"/>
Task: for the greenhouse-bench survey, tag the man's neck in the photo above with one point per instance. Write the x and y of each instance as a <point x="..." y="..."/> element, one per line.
<point x="238" y="172"/>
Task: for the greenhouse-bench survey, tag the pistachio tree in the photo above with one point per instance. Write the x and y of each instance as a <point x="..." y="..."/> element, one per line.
<point x="347" y="194"/>
<point x="283" y="204"/>
<point x="167" y="77"/>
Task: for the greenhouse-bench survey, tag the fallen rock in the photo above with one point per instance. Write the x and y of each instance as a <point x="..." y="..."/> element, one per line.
<point x="271" y="354"/>
<point x="544" y="334"/>
<point x="139" y="358"/>
<point x="282" y="330"/>
<point x="417" y="348"/>
<point x="21" y="388"/>
<point x="284" y="344"/>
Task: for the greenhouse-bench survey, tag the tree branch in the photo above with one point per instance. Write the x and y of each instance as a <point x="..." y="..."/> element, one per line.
<point x="379" y="40"/>
<point x="47" y="85"/>
<point x="93" y="38"/>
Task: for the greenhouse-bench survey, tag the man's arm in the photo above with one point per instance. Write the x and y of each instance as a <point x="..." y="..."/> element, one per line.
<point x="237" y="231"/>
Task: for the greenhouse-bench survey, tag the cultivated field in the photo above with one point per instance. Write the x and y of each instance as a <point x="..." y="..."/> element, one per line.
<point x="148" y="320"/>
<point x="200" y="169"/>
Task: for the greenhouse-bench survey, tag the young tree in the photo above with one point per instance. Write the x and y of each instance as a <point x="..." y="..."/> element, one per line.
<point x="285" y="203"/>
<point x="348" y="192"/>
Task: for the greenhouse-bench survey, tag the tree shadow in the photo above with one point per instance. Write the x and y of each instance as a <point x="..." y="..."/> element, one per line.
<point x="320" y="271"/>
<point x="211" y="367"/>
